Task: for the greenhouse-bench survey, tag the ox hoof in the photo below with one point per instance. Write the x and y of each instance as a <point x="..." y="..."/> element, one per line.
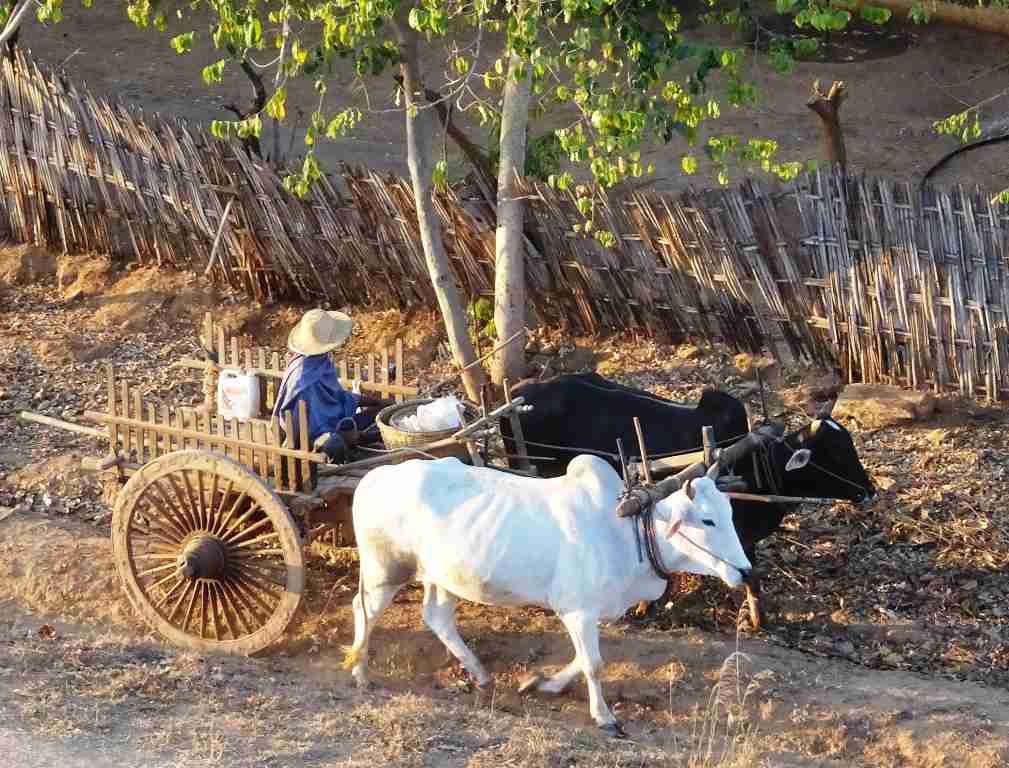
<point x="531" y="683"/>
<point x="614" y="730"/>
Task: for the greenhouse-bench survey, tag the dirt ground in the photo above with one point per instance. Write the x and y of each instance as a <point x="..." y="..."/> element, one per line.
<point x="887" y="641"/>
<point x="887" y="117"/>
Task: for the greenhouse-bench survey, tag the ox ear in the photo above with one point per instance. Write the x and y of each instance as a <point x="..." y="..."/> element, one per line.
<point x="798" y="460"/>
<point x="712" y="473"/>
<point x="690" y="490"/>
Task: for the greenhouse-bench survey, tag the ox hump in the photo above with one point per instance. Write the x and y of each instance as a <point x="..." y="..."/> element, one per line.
<point x="588" y="467"/>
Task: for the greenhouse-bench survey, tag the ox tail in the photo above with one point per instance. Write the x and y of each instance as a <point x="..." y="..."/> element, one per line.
<point x="352" y="653"/>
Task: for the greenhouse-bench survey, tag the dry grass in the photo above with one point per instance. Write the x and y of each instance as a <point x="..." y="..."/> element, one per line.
<point x="904" y="749"/>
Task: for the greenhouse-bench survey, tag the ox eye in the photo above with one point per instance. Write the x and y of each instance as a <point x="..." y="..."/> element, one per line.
<point x="709" y="523"/>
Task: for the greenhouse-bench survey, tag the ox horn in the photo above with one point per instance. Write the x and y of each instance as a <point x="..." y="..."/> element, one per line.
<point x="713" y="471"/>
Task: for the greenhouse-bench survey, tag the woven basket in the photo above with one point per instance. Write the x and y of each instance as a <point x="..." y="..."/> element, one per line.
<point x="398" y="438"/>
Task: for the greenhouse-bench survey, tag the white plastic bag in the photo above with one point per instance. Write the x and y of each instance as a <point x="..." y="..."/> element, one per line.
<point x="443" y="413"/>
<point x="237" y="395"/>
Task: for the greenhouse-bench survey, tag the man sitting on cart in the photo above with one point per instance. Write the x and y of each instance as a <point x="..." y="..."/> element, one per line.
<point x="337" y="419"/>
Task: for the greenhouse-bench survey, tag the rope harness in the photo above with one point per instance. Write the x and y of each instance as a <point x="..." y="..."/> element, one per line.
<point x="647" y="536"/>
<point x="615" y="456"/>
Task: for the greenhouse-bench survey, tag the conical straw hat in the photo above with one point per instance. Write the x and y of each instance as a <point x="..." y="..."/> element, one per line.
<point x="319" y="331"/>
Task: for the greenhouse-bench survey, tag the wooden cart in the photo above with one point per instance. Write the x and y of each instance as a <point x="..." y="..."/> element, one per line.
<point x="209" y="526"/>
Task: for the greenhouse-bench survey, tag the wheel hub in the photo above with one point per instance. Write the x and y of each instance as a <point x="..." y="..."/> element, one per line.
<point x="202" y="558"/>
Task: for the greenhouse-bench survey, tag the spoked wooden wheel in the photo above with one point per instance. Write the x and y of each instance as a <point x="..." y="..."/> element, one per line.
<point x="208" y="553"/>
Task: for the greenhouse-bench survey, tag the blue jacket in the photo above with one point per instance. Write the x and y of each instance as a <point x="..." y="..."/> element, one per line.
<point x="314" y="380"/>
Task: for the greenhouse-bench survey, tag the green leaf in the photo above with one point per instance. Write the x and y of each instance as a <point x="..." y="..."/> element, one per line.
<point x="160" y="23"/>
<point x="875" y="15"/>
<point x="250" y="127"/>
<point x="689" y="164"/>
<point x="919" y="14"/>
<point x="214" y="73"/>
<point x="439" y="176"/>
<point x="785" y="6"/>
<point x="183" y="43"/>
<point x="781" y="58"/>
<point x="254" y="33"/>
<point x="222" y="129"/>
<point x="805" y="46"/>
<point x="276" y="107"/>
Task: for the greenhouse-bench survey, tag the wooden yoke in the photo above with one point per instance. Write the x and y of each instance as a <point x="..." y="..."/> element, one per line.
<point x="640" y="498"/>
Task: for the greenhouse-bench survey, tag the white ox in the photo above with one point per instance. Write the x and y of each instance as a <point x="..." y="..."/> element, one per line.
<point x="498" y="539"/>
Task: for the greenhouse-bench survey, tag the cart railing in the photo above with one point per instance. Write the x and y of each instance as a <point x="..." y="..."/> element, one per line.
<point x="370" y="374"/>
<point x="138" y="432"/>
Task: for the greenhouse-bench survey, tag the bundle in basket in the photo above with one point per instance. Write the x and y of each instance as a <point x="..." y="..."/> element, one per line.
<point x="393" y="437"/>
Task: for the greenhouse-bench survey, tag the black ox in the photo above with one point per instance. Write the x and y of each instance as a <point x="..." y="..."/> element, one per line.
<point x="586" y="413"/>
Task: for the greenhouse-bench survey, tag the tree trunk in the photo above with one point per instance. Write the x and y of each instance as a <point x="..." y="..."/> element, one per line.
<point x="994" y="20"/>
<point x="251" y="143"/>
<point x="827" y="106"/>
<point x="420" y="157"/>
<point x="510" y="252"/>
<point x="474" y="154"/>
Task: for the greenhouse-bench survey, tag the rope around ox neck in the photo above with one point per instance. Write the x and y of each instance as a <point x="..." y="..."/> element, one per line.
<point x="652" y="550"/>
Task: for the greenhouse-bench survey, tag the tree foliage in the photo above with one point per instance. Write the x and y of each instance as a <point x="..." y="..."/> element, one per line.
<point x="620" y="71"/>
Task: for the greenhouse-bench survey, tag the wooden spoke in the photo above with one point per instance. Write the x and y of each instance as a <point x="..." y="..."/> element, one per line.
<point x="158" y="508"/>
<point x="208" y="553"/>
<point x="225" y="498"/>
<point x="245" y="589"/>
<point x="173" y="502"/>
<point x="252" y="542"/>
<point x="226" y="519"/>
<point x="163" y="528"/>
<point x="196" y="511"/>
<point x="215" y="616"/>
<point x="234" y="597"/>
<point x="190" y="585"/>
<point x="241" y="554"/>
<point x="251" y="529"/>
<point x="156" y="535"/>
<point x="180" y="503"/>
<point x="245" y="516"/>
<point x="162" y="580"/>
<point x="158" y="569"/>
<point x="164" y="598"/>
<point x="192" y="604"/>
<point x="256" y="575"/>
<point x="204" y="600"/>
<point x="211" y="498"/>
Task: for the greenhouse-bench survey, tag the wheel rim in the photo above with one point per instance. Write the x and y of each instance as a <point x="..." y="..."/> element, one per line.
<point x="208" y="553"/>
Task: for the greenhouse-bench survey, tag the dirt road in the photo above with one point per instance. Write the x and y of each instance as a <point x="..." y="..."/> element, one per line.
<point x="99" y="692"/>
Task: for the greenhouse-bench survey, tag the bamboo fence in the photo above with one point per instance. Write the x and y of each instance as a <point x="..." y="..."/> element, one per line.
<point x="893" y="283"/>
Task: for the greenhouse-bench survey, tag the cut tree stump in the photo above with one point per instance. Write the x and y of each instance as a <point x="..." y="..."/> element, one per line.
<point x="827" y="106"/>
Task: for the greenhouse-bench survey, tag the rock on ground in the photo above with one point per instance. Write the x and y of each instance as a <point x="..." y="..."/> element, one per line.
<point x="874" y="406"/>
